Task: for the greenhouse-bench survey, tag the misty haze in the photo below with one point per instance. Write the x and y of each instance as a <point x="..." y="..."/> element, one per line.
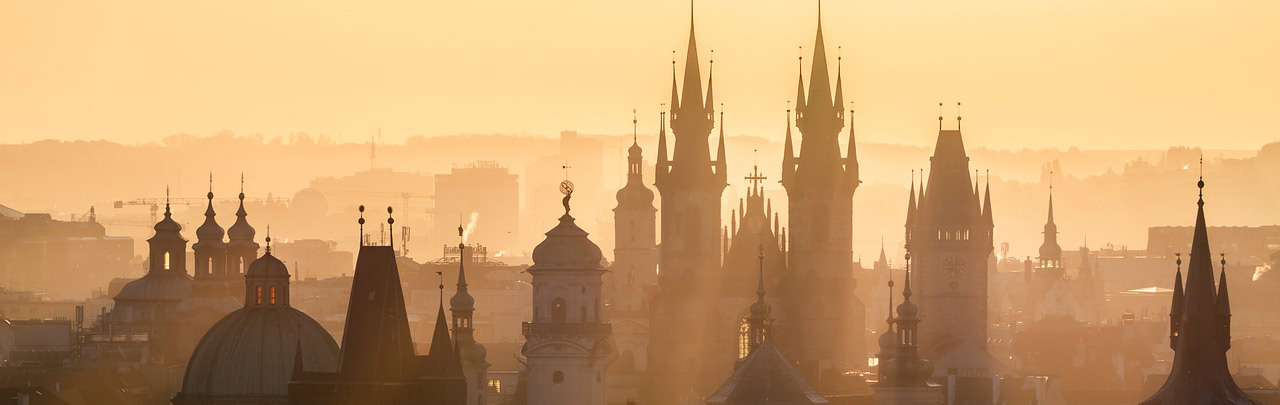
<point x="645" y="203"/>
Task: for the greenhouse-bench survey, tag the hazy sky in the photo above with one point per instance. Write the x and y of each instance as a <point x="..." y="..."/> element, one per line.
<point x="1092" y="73"/>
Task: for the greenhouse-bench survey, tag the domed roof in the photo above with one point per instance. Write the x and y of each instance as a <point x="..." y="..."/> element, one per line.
<point x="462" y="300"/>
<point x="209" y="233"/>
<point x="241" y="231"/>
<point x="267" y="265"/>
<point x="251" y="351"/>
<point x="567" y="248"/>
<point x="167" y="228"/>
<point x="160" y="286"/>
<point x="888" y="342"/>
<point x="635" y="196"/>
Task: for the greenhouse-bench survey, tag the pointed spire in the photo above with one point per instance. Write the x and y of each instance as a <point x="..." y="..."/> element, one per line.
<point x="1223" y="306"/>
<point x="692" y="97"/>
<point x="675" y="90"/>
<point x="911" y="206"/>
<point x="851" y="155"/>
<point x="710" y="105"/>
<point x="1176" y="313"/>
<point x="788" y="155"/>
<point x="800" y="97"/>
<point x="819" y="78"/>
<point x="986" y="199"/>
<point x="720" y="160"/>
<point x="662" y="168"/>
<point x="839" y="103"/>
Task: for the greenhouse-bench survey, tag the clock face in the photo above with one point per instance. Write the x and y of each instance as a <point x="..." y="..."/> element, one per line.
<point x="953" y="267"/>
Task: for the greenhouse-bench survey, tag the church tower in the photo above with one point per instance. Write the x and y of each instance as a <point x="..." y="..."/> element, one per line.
<point x="210" y="299"/>
<point x="567" y="344"/>
<point x="472" y="353"/>
<point x="691" y="185"/>
<point x="822" y="330"/>
<point x="949" y="233"/>
<point x="1200" y="331"/>
<point x="635" y="224"/>
<point x="241" y="249"/>
<point x="634" y="268"/>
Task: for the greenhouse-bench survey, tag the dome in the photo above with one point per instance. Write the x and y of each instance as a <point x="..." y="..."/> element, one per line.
<point x="567" y="248"/>
<point x="888" y="342"/>
<point x="473" y="353"/>
<point x="462" y="301"/>
<point x="167" y="226"/>
<point x="166" y="285"/>
<point x="309" y="203"/>
<point x="251" y="351"/>
<point x="267" y="265"/>
<point x="635" y="196"/>
<point x="241" y="230"/>
<point x="209" y="233"/>
<point x="907" y="310"/>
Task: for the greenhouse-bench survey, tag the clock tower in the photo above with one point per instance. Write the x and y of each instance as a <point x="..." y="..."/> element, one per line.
<point x="949" y="233"/>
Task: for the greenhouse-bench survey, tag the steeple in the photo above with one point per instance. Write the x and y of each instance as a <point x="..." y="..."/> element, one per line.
<point x="1050" y="251"/>
<point x="986" y="203"/>
<point x="759" y="320"/>
<point x="911" y="207"/>
<point x="209" y="234"/>
<point x="1223" y="304"/>
<point x="1200" y="374"/>
<point x="692" y="119"/>
<point x="1175" y="307"/>
<point x="788" y="154"/>
<point x="241" y="233"/>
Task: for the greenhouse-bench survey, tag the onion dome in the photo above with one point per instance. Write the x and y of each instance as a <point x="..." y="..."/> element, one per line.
<point x="241" y="232"/>
<point x="462" y="301"/>
<point x="635" y="196"/>
<point x="209" y="233"/>
<point x="888" y="342"/>
<point x="167" y="228"/>
<point x="251" y="352"/>
<point x="567" y="248"/>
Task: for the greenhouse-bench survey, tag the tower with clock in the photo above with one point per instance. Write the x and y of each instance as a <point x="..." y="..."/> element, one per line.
<point x="949" y="233"/>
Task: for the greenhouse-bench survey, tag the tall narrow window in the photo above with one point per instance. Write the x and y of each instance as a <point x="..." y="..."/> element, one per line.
<point x="259" y="290"/>
<point x="166" y="260"/>
<point x="273" y="295"/>
<point x="558" y="311"/>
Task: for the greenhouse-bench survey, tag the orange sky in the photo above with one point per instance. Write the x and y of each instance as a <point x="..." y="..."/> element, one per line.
<point x="1091" y="73"/>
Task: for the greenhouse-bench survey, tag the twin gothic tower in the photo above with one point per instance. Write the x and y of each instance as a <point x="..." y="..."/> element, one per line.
<point x="820" y="322"/>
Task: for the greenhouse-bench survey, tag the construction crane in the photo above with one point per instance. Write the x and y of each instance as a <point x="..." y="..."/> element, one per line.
<point x="155" y="203"/>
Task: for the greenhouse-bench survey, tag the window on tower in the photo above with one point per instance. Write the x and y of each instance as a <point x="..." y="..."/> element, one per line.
<point x="166" y="260"/>
<point x="744" y="339"/>
<point x="558" y="311"/>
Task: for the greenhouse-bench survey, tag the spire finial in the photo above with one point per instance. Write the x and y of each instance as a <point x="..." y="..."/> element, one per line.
<point x="1200" y="184"/>
<point x="634" y="131"/>
<point x="166" y="199"/>
<point x="440" y="274"/>
<point x="958" y="117"/>
<point x="906" y="282"/>
<point x="361" y="222"/>
<point x="268" y="238"/>
<point x="889" y="320"/>
<point x="241" y="186"/>
<point x="391" y="227"/>
<point x="210" y="185"/>
<point x="939" y="116"/>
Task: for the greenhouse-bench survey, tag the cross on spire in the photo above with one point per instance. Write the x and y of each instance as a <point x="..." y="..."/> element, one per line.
<point x="566" y="168"/>
<point x="755" y="178"/>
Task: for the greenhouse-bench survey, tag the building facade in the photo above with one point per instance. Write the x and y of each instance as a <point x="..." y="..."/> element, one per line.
<point x="682" y="340"/>
<point x="823" y="326"/>
<point x="567" y="346"/>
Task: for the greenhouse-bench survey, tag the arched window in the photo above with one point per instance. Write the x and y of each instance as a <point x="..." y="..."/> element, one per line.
<point x="166" y="260"/>
<point x="558" y="311"/>
<point x="744" y="339"/>
<point x="259" y="292"/>
<point x="273" y="295"/>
